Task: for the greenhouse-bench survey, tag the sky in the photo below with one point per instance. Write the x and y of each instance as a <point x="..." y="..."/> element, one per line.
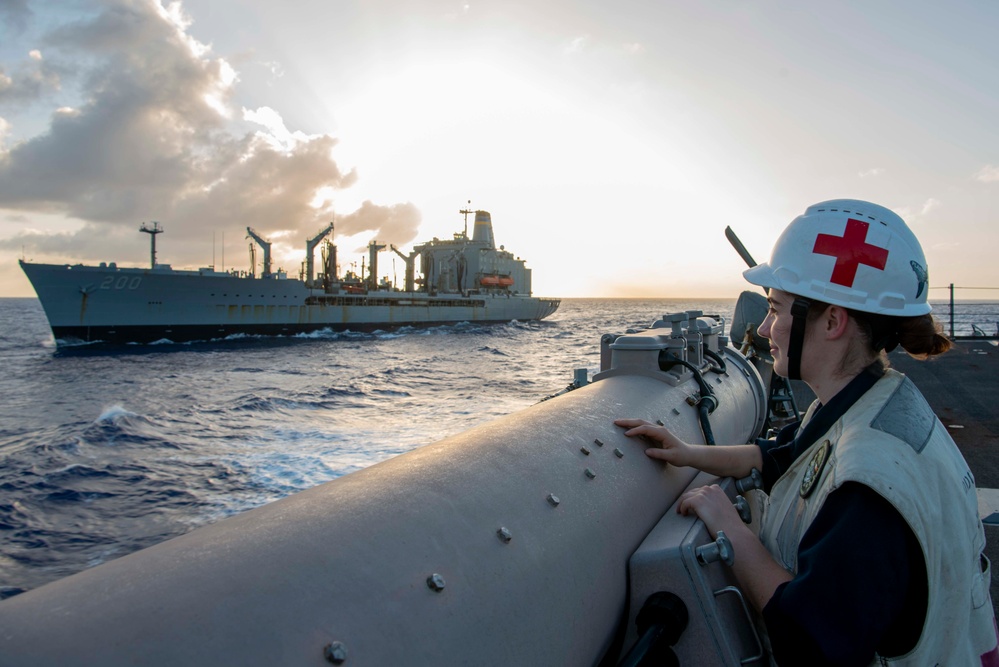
<point x="611" y="142"/>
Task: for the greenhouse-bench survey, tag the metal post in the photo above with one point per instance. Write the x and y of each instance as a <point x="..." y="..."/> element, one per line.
<point x="152" y="231"/>
<point x="952" y="310"/>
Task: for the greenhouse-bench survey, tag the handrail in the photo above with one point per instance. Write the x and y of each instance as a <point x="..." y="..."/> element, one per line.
<point x="973" y="321"/>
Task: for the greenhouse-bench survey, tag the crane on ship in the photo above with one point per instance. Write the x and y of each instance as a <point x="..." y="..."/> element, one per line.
<point x="310" y="247"/>
<point x="266" y="245"/>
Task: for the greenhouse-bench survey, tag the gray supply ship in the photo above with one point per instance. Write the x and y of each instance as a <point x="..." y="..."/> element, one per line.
<point x="463" y="280"/>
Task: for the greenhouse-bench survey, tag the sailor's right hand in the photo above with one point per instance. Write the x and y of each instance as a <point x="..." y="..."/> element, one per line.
<point x="668" y="447"/>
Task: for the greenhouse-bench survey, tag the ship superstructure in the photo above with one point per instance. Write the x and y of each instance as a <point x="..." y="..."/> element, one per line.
<point x="462" y="279"/>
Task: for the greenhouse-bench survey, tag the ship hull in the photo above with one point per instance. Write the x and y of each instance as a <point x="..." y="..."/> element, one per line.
<point x="123" y="305"/>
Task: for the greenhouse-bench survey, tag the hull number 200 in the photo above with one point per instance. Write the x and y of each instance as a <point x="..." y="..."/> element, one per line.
<point x="121" y="282"/>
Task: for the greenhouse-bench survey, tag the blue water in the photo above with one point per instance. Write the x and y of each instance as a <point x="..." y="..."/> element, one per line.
<point x="106" y="452"/>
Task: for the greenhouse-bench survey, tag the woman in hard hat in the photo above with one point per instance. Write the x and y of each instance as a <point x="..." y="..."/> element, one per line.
<point x="870" y="545"/>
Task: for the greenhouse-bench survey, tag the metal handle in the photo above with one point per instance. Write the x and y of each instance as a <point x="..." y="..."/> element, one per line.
<point x="742" y="507"/>
<point x="749" y="618"/>
<point x="721" y="549"/>
<point x="753" y="481"/>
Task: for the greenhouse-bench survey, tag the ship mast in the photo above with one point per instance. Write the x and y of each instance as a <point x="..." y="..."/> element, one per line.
<point x="152" y="231"/>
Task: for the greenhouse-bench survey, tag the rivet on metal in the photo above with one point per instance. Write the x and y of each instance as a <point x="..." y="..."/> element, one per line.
<point x="660" y="422"/>
<point x="618" y="453"/>
<point x="598" y="442"/>
<point x="584" y="450"/>
<point x="435" y="582"/>
<point x="553" y="499"/>
<point x="504" y="535"/>
<point x="590" y="473"/>
<point x="675" y="411"/>
<point x="335" y="652"/>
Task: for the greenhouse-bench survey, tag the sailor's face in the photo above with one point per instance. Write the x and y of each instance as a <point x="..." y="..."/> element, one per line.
<point x="777" y="328"/>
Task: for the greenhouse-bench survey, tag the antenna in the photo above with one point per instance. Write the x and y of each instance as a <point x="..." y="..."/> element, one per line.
<point x="152" y="231"/>
<point x="465" y="212"/>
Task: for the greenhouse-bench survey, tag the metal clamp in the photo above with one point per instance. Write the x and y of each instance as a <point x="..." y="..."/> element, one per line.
<point x="749" y="618"/>
<point x="721" y="549"/>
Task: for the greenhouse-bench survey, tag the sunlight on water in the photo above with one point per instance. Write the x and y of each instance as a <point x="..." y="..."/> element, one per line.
<point x="189" y="434"/>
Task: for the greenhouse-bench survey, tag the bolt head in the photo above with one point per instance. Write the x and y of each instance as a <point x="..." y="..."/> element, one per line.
<point x="553" y="499"/>
<point x="335" y="652"/>
<point x="504" y="535"/>
<point x="435" y="582"/>
<point x="590" y="473"/>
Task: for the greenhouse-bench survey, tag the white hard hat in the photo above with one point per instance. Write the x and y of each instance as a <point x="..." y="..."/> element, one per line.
<point x="849" y="253"/>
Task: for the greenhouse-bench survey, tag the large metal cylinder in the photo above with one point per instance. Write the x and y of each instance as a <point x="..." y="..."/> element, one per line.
<point x="505" y="544"/>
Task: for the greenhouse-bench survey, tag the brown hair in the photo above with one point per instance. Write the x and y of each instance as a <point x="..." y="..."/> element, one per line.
<point x="921" y="336"/>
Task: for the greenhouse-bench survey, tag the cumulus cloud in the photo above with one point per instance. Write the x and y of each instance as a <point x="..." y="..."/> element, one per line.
<point x="394" y="223"/>
<point x="988" y="174"/>
<point x="29" y="80"/>
<point x="154" y="137"/>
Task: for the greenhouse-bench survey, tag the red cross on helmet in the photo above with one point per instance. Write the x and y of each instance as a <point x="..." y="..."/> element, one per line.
<point x="849" y="253"/>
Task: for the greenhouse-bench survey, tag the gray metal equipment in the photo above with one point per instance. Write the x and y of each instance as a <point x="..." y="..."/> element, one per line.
<point x="534" y="539"/>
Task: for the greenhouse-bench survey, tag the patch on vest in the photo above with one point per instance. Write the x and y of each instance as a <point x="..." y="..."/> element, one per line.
<point x="813" y="471"/>
<point x="907" y="416"/>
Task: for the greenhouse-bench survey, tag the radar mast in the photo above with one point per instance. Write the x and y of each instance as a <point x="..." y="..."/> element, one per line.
<point x="152" y="231"/>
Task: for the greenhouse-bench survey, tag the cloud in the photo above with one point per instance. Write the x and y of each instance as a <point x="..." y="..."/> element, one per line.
<point x="154" y="137"/>
<point x="988" y="174"/>
<point x="868" y="173"/>
<point x="576" y="45"/>
<point x="29" y="80"/>
<point x="14" y="15"/>
<point x="396" y="224"/>
<point x="915" y="214"/>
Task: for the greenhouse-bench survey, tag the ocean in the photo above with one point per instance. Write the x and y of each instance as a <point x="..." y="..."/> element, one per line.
<point x="104" y="452"/>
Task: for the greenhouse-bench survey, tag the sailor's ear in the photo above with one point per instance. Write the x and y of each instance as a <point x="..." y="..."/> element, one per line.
<point x="835" y="322"/>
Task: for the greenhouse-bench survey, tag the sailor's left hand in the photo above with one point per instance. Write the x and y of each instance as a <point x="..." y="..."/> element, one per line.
<point x="712" y="506"/>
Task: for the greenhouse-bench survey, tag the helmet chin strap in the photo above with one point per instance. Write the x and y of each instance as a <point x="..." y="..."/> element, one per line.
<point x="799" y="313"/>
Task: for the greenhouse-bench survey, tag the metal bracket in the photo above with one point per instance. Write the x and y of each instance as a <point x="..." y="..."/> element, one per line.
<point x="752" y="626"/>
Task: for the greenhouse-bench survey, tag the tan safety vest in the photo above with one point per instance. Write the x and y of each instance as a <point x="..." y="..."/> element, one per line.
<point x="891" y="441"/>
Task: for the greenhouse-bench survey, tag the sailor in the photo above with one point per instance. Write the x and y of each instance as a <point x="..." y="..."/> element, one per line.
<point x="870" y="546"/>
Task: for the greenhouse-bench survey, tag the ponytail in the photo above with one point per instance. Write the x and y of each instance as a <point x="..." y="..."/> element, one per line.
<point x="922" y="336"/>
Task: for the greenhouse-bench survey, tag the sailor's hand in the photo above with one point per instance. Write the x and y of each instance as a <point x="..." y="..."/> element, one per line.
<point x="713" y="507"/>
<point x="668" y="447"/>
